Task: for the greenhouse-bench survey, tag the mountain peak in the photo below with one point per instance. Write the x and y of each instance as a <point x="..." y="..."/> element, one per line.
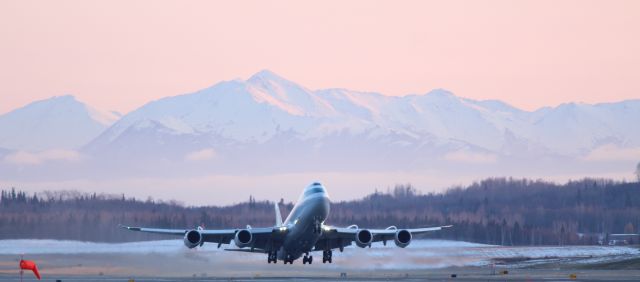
<point x="64" y="99"/>
<point x="266" y="74"/>
<point x="67" y="102"/>
<point x="439" y="92"/>
<point x="59" y="122"/>
<point x="68" y="97"/>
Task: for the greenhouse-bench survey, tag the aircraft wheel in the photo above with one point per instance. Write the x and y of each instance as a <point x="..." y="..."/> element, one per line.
<point x="310" y="260"/>
<point x="272" y="257"/>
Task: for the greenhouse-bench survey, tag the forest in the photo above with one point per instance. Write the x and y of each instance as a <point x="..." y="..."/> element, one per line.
<point x="500" y="211"/>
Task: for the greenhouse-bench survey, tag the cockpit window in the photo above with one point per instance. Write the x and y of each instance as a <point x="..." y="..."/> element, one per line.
<point x="313" y="191"/>
<point x="316" y="184"/>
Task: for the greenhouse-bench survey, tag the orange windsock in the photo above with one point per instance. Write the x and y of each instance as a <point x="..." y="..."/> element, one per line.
<point x="30" y="265"/>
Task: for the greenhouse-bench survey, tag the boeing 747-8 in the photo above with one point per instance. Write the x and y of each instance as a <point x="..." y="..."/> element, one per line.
<point x="300" y="234"/>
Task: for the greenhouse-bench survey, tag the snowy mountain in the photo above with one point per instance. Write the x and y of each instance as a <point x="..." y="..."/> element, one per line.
<point x="268" y="124"/>
<point x="268" y="121"/>
<point x="56" y="123"/>
<point x="579" y="128"/>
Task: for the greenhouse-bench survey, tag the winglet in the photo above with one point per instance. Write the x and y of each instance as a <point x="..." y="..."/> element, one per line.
<point x="278" y="216"/>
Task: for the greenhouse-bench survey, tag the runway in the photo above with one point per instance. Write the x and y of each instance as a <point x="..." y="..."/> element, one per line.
<point x="424" y="260"/>
<point x="440" y="275"/>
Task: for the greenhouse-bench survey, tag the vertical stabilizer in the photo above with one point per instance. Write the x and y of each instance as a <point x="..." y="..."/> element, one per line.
<point x="278" y="216"/>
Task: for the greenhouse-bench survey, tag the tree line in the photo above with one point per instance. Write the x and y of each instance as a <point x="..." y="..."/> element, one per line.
<point x="501" y="211"/>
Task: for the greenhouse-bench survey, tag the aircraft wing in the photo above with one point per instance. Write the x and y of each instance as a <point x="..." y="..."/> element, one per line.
<point x="337" y="237"/>
<point x="261" y="236"/>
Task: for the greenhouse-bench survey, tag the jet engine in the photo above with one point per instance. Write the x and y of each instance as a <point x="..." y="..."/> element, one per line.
<point x="192" y="239"/>
<point x="363" y="238"/>
<point x="403" y="238"/>
<point x="243" y="238"/>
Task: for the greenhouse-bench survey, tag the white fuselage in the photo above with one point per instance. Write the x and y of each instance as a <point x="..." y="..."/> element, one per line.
<point x="311" y="210"/>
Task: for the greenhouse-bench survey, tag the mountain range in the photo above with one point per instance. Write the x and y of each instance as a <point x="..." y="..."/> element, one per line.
<point x="273" y="125"/>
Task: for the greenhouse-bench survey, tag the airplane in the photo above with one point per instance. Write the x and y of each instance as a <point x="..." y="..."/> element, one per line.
<point x="300" y="234"/>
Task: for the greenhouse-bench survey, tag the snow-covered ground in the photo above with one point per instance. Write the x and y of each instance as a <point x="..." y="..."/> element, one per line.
<point x="420" y="254"/>
<point x="18" y="247"/>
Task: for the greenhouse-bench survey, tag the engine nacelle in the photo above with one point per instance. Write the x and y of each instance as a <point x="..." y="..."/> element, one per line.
<point x="192" y="239"/>
<point x="403" y="238"/>
<point x="363" y="238"/>
<point x="243" y="238"/>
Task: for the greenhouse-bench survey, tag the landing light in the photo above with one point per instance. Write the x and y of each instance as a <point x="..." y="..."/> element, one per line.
<point x="326" y="228"/>
<point x="283" y="228"/>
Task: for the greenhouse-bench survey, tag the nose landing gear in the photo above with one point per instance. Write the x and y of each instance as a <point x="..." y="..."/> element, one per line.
<point x="317" y="226"/>
<point x="288" y="260"/>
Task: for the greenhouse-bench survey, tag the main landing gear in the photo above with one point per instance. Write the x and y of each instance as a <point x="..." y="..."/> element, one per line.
<point x="288" y="260"/>
<point x="307" y="259"/>
<point x="326" y="256"/>
<point x="273" y="257"/>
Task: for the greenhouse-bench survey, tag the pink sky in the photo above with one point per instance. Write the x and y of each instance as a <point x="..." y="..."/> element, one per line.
<point x="118" y="55"/>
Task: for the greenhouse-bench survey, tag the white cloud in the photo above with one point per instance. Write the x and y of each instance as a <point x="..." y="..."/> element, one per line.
<point x="201" y="155"/>
<point x="613" y="153"/>
<point x="470" y="157"/>
<point x="36" y="158"/>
